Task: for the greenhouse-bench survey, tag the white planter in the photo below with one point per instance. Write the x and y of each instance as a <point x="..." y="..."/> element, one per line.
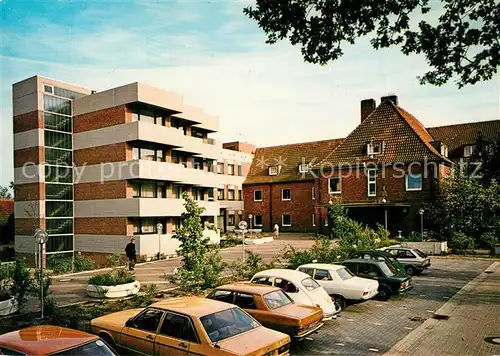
<point x="118" y="291"/>
<point x="7" y="307"/>
<point x="430" y="248"/>
<point x="262" y="240"/>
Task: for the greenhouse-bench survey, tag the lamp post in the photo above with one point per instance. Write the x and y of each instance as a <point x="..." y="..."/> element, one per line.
<point x="250" y="218"/>
<point x="243" y="226"/>
<point x="421" y="212"/>
<point x="384" y="201"/>
<point x="41" y="238"/>
<point x="159" y="228"/>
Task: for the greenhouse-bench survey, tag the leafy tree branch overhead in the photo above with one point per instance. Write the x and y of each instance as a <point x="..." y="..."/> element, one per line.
<point x="463" y="44"/>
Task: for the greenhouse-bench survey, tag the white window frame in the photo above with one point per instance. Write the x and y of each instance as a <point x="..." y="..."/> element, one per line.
<point x="468" y="150"/>
<point x="49" y="86"/>
<point x="283" y="220"/>
<point x="303" y="168"/>
<point x="340" y="184"/>
<point x="261" y="195"/>
<point x="368" y="182"/>
<point x="414" y="189"/>
<point x="282" y="193"/>
<point x="255" y="220"/>
<point x="273" y="171"/>
<point x="370" y="148"/>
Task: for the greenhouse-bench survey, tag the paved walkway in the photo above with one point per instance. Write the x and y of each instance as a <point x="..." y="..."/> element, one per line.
<point x="466" y="320"/>
<point x="71" y="289"/>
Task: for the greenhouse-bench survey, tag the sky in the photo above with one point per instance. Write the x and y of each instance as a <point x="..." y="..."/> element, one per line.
<point x="217" y="59"/>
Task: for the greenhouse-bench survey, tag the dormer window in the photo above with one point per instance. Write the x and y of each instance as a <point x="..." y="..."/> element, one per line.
<point x="444" y="150"/>
<point x="468" y="151"/>
<point x="303" y="168"/>
<point x="273" y="170"/>
<point x="374" y="148"/>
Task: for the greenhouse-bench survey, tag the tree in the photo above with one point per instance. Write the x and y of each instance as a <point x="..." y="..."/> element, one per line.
<point x="464" y="44"/>
<point x="487" y="154"/>
<point x="5" y="193"/>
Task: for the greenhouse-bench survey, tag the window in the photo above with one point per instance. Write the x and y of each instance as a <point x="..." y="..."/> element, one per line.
<point x="257" y="195"/>
<point x="210" y="165"/>
<point x="48" y="89"/>
<point x="230" y="221"/>
<point x="230" y="169"/>
<point x="94" y="348"/>
<point x="240" y="217"/>
<point x="57" y="105"/>
<point x="322" y="275"/>
<point x="334" y="186"/>
<point x="234" y="322"/>
<point x="245" y="301"/>
<point x="313" y="193"/>
<point x="220" y="168"/>
<point x="345" y="274"/>
<point x="57" y="122"/>
<point x="222" y="296"/>
<point x="58" y="208"/>
<point x="409" y="254"/>
<point x="58" y="140"/>
<point x="230" y="194"/>
<point x="287" y="286"/>
<point x="303" y="168"/>
<point x="286" y="220"/>
<point x="240" y="195"/>
<point x="179" y="327"/>
<point x="58" y="157"/>
<point x="147" y="154"/>
<point x="273" y="171"/>
<point x="444" y="150"/>
<point x="197" y="163"/>
<point x="263" y="280"/>
<point x="309" y="271"/>
<point x="468" y="150"/>
<point x="372" y="182"/>
<point x="58" y="192"/>
<point x="313" y="220"/>
<point x="257" y="219"/>
<point x="178" y="190"/>
<point x="310" y="284"/>
<point x="286" y="194"/>
<point x="148" y="226"/>
<point x="277" y="299"/>
<point x="135" y="153"/>
<point x="9" y="352"/>
<point x="374" y="148"/>
<point x="240" y="170"/>
<point x="147" y="321"/>
<point x="414" y="181"/>
<point x="220" y="194"/>
<point x="210" y="194"/>
<point x="368" y="269"/>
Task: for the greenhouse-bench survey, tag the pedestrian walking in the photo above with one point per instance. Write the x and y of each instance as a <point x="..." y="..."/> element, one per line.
<point x="276" y="231"/>
<point x="131" y="254"/>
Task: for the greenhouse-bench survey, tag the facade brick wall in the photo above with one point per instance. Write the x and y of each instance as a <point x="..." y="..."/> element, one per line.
<point x="29" y="121"/>
<point x="27" y="226"/>
<point x="102" y="226"/>
<point x="102" y="118"/>
<point x="33" y="155"/>
<point x="117" y="152"/>
<point x="29" y="191"/>
<point x="115" y="189"/>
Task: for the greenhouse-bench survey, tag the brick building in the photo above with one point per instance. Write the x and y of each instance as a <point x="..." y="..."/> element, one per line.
<point x="383" y="171"/>
<point x="95" y="169"/>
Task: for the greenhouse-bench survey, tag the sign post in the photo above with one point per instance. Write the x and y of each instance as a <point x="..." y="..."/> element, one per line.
<point x="41" y="238"/>
<point x="243" y="227"/>
<point x="159" y="228"/>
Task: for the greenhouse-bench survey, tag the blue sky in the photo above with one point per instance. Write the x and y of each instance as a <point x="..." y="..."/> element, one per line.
<point x="215" y="57"/>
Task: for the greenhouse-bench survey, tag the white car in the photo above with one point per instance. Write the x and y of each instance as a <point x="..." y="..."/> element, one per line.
<point x="300" y="287"/>
<point x="340" y="282"/>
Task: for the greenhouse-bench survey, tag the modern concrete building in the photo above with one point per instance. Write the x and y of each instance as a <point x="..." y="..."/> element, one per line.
<point x="95" y="169"/>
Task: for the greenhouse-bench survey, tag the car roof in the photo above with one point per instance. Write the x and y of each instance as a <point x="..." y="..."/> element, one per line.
<point x="289" y="274"/>
<point x="250" y="288"/>
<point x="44" y="339"/>
<point x="398" y="248"/>
<point x="193" y="306"/>
<point x="375" y="252"/>
<point x="322" y="266"/>
<point x="364" y="260"/>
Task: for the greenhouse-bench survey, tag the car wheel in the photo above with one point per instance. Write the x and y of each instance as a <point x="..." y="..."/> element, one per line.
<point x="384" y="293"/>
<point x="410" y="270"/>
<point x="340" y="301"/>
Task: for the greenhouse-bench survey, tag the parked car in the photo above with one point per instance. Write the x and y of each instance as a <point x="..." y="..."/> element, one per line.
<point x="379" y="255"/>
<point x="301" y="288"/>
<point x="413" y="260"/>
<point x="340" y="282"/>
<point x="53" y="340"/>
<point x="390" y="281"/>
<point x="272" y="307"/>
<point x="190" y="325"/>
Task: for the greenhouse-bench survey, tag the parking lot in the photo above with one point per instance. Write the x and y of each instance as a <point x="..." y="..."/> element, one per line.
<point x="375" y="326"/>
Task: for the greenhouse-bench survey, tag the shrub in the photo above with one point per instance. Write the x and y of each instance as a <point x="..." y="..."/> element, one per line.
<point x="244" y="270"/>
<point x="145" y="300"/>
<point x="490" y="239"/>
<point x="59" y="264"/>
<point x="461" y="243"/>
<point x="22" y="283"/>
<point x="8" y="253"/>
<point x="114" y="278"/>
<point x="295" y="258"/>
<point x="83" y="263"/>
<point x="115" y="260"/>
<point x="213" y="269"/>
<point x="231" y="239"/>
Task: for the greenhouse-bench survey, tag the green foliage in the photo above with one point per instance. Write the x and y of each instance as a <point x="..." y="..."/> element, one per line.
<point x="230" y="240"/>
<point x="199" y="270"/>
<point x="5" y="193"/>
<point x="21" y="283"/>
<point x="142" y="301"/>
<point x="62" y="263"/>
<point x="119" y="276"/>
<point x="490" y="240"/>
<point x="244" y="270"/>
<point x="294" y="258"/>
<point x="49" y="306"/>
<point x="115" y="260"/>
<point x="83" y="263"/>
<point x="461" y="243"/>
<point x="458" y="39"/>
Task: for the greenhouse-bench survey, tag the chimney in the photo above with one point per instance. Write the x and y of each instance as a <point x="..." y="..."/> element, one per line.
<point x="367" y="107"/>
<point x="393" y="98"/>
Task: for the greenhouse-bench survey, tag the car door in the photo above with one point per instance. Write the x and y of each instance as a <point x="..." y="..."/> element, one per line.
<point x="177" y="336"/>
<point x="368" y="270"/>
<point x="139" y="334"/>
<point x="324" y="279"/>
<point x="247" y="302"/>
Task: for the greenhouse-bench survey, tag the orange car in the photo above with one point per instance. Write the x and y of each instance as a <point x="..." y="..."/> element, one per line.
<point x="52" y="340"/>
<point x="272" y="307"/>
<point x="190" y="325"/>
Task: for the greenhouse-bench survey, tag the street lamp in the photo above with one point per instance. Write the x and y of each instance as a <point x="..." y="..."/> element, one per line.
<point x="250" y="217"/>
<point x="421" y="212"/>
<point x="243" y="226"/>
<point x="159" y="228"/>
<point x="41" y="238"/>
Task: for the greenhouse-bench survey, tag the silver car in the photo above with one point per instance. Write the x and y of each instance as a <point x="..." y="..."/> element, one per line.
<point x="413" y="260"/>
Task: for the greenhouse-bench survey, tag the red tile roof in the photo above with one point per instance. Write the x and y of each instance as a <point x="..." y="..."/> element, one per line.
<point x="406" y="139"/>
<point x="290" y="156"/>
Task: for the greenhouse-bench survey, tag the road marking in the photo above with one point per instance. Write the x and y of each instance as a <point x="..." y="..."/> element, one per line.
<point x="378" y="324"/>
<point x="430" y="311"/>
<point x="309" y="338"/>
<point x="407" y="328"/>
<point x="446" y="297"/>
<point x="378" y="305"/>
<point x="350" y="319"/>
<point x="373" y="350"/>
<point x="339" y="344"/>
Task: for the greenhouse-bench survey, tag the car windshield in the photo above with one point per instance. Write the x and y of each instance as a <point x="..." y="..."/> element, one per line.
<point x="227" y="323"/>
<point x="277" y="299"/>
<point x="420" y="253"/>
<point x="94" y="348"/>
<point x="310" y="284"/>
<point x="388" y="269"/>
<point x="345" y="274"/>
